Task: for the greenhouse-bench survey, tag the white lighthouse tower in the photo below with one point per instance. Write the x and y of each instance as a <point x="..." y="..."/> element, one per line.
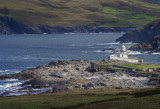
<point x="123" y="49"/>
<point x="123" y="52"/>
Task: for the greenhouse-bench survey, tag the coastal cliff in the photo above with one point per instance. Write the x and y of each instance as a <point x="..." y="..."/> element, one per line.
<point x="144" y="34"/>
<point x="11" y="26"/>
<point x="148" y="37"/>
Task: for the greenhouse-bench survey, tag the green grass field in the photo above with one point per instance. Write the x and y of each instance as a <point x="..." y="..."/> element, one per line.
<point x="87" y="99"/>
<point x="70" y="13"/>
<point x="141" y="66"/>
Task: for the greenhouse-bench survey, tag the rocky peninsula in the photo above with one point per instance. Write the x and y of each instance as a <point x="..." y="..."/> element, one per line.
<point x="147" y="37"/>
<point x="143" y="34"/>
<point x="65" y="75"/>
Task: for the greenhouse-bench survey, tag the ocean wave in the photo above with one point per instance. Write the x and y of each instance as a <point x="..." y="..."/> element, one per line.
<point x="4" y="71"/>
<point x="106" y="51"/>
<point x="69" y="33"/>
<point x="156" y="53"/>
<point x="11" y="80"/>
<point x="117" y="43"/>
<point x="8" y="72"/>
<point x="10" y="86"/>
<point x="23" y="92"/>
<point x="114" y="43"/>
<point x="134" y="52"/>
<point x="128" y="43"/>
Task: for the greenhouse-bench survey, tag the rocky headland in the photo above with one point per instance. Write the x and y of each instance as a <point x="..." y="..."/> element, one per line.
<point x="80" y="74"/>
<point x="143" y="34"/>
<point x="148" y="37"/>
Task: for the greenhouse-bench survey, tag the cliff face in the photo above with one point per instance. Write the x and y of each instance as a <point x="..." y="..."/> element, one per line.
<point x="154" y="44"/>
<point x="11" y="26"/>
<point x="145" y="34"/>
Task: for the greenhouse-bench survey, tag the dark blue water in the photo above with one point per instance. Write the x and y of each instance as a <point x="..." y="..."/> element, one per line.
<point x="20" y="52"/>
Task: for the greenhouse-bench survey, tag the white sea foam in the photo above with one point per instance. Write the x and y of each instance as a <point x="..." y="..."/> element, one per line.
<point x="101" y="44"/>
<point x="133" y="52"/>
<point x="23" y="92"/>
<point x="4" y="70"/>
<point x="156" y="53"/>
<point x="7" y="86"/>
<point x="11" y="85"/>
<point x="128" y="43"/>
<point x="106" y="51"/>
<point x="69" y="33"/>
<point x="13" y="80"/>
<point x="114" y="43"/>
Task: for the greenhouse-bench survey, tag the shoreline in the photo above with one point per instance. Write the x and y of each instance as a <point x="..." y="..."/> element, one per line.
<point x="64" y="75"/>
<point x="11" y="26"/>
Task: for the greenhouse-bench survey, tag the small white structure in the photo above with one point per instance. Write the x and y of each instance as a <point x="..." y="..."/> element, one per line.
<point x="123" y="56"/>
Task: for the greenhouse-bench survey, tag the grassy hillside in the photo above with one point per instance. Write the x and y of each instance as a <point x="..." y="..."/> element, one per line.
<point x="70" y="13"/>
<point x="91" y="99"/>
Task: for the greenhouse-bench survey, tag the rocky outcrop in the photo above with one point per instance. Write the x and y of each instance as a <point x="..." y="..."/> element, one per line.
<point x="148" y="37"/>
<point x="77" y="74"/>
<point x="153" y="45"/>
<point x="141" y="35"/>
<point x="11" y="26"/>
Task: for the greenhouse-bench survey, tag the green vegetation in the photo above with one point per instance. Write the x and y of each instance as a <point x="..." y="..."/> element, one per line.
<point x="140" y="66"/>
<point x="115" y="11"/>
<point x="145" y="72"/>
<point x="90" y="99"/>
<point x="155" y="78"/>
<point x="70" y="13"/>
<point x="150" y="6"/>
<point x="110" y="67"/>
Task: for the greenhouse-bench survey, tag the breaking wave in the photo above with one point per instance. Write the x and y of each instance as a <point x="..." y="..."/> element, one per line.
<point x="134" y="52"/>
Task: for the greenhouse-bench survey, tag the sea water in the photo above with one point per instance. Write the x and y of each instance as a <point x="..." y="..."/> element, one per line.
<point x="20" y="52"/>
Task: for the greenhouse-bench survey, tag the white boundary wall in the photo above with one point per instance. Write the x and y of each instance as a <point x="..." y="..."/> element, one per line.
<point x="123" y="59"/>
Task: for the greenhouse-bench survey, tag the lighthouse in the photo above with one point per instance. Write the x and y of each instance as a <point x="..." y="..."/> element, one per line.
<point x="123" y="52"/>
<point x="123" y="49"/>
<point x="123" y="56"/>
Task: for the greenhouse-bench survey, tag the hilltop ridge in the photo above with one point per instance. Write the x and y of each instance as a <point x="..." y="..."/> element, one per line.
<point x="42" y="15"/>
